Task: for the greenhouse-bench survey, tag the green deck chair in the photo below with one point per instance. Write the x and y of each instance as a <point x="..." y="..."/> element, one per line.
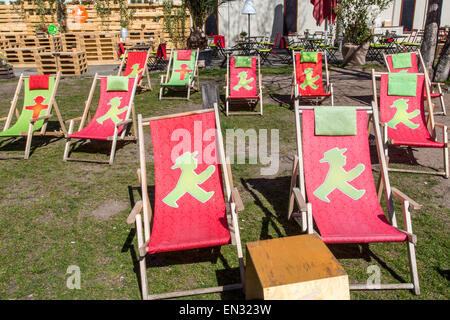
<point x="183" y="77"/>
<point x="36" y="112"/>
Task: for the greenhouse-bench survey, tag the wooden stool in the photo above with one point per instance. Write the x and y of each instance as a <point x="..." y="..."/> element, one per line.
<point x="291" y="268"/>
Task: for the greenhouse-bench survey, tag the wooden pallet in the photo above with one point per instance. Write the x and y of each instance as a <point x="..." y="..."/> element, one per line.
<point x="6" y="72"/>
<point x="50" y="44"/>
<point x="23" y="57"/>
<point x="101" y="48"/>
<point x="72" y="63"/>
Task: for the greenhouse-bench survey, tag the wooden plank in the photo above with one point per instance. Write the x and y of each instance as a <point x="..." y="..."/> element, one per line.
<point x="294" y="268"/>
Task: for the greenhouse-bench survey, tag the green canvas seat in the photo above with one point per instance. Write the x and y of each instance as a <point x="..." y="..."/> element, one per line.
<point x="36" y="111"/>
<point x="183" y="74"/>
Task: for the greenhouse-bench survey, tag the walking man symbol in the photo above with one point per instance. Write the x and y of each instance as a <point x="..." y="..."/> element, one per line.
<point x="113" y="112"/>
<point x="189" y="180"/>
<point x="337" y="177"/>
<point x="401" y="116"/>
<point x="243" y="81"/>
<point x="309" y="80"/>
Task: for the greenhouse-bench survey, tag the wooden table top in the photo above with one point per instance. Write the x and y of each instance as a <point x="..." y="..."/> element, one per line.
<point x="293" y="259"/>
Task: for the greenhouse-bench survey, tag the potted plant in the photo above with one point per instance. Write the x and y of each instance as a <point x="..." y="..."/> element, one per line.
<point x="357" y="17"/>
<point x="125" y="18"/>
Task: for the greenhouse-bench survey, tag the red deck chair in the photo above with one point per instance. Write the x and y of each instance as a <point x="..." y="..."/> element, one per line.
<point x="305" y="71"/>
<point x="416" y="57"/>
<point x="332" y="185"/>
<point x="111" y="120"/>
<point x="188" y="214"/>
<point x="136" y="65"/>
<point x="415" y="133"/>
<point x="243" y="84"/>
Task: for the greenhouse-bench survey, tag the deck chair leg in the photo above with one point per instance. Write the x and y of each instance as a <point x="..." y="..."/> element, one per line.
<point x="446" y="164"/>
<point x="28" y="144"/>
<point x="142" y="260"/>
<point x="261" y="102"/>
<point x="160" y="92"/>
<point x="113" y="147"/>
<point x="413" y="267"/>
<point x="227" y="106"/>
<point x="307" y="219"/>
<point x="189" y="92"/>
<point x="441" y="99"/>
<point x="68" y="141"/>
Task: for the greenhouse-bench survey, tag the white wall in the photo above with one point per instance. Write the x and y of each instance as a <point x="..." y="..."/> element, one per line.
<point x="265" y="22"/>
<point x="232" y="22"/>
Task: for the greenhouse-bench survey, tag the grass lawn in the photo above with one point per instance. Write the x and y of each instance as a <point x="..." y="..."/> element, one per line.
<point x="55" y="214"/>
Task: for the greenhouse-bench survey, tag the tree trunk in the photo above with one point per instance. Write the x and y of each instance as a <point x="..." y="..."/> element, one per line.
<point x="443" y="66"/>
<point x="197" y="40"/>
<point x="429" y="40"/>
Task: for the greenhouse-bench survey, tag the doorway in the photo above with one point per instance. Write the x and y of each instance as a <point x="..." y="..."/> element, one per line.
<point x="407" y="14"/>
<point x="290" y="16"/>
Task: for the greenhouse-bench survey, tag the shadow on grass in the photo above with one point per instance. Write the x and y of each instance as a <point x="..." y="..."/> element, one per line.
<point x="276" y="192"/>
<point x="19" y="143"/>
<point x="96" y="147"/>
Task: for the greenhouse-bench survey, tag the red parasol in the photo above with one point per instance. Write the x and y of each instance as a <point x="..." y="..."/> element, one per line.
<point x="323" y="10"/>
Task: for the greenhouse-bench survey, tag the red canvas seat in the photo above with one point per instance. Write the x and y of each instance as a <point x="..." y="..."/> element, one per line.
<point x="342" y="219"/>
<point x="308" y="82"/>
<point x="404" y="119"/>
<point x="182" y="227"/>
<point x="243" y="84"/>
<point x="96" y="131"/>
<point x="111" y="118"/>
<point x="191" y="199"/>
<point x="332" y="184"/>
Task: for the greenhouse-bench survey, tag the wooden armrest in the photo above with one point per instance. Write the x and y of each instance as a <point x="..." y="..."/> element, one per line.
<point x="40" y="118"/>
<point x="301" y="203"/>
<point x="3" y="119"/>
<point x="236" y="198"/>
<point x="400" y="195"/>
<point x="435" y="83"/>
<point x="136" y="210"/>
<point x="118" y="124"/>
<point x="411" y="236"/>
<point x="74" y="119"/>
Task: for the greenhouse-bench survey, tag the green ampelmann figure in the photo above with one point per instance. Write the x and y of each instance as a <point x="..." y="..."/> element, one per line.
<point x="401" y="116"/>
<point x="337" y="177"/>
<point x="113" y="111"/>
<point x="189" y="180"/>
<point x="243" y="81"/>
<point x="309" y="80"/>
<point x="136" y="70"/>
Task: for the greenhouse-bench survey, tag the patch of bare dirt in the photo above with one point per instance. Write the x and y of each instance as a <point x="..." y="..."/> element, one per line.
<point x="108" y="209"/>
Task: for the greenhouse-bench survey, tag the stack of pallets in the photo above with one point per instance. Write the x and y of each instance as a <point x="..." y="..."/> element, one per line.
<point x="72" y="63"/>
<point x="23" y="57"/>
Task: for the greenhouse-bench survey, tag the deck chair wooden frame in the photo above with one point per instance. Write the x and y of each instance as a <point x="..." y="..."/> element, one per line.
<point x="193" y="83"/>
<point x="140" y="85"/>
<point x="43" y="131"/>
<point x="430" y="84"/>
<point x="228" y="100"/>
<point x="305" y="217"/>
<point x="141" y="214"/>
<point x="316" y="99"/>
<point x="432" y="127"/>
<point x="126" y="135"/>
